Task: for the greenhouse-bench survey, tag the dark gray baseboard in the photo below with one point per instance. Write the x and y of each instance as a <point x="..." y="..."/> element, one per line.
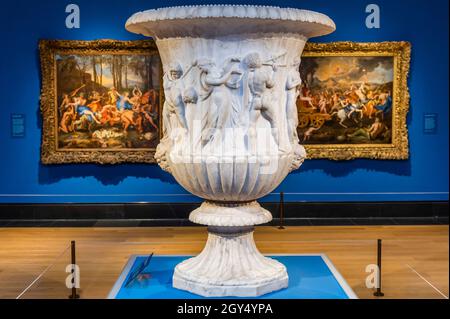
<point x="176" y="214"/>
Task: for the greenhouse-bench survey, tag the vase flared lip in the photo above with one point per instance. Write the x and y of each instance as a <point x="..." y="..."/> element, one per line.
<point x="225" y="20"/>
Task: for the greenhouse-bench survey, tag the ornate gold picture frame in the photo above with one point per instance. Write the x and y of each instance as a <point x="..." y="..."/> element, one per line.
<point x="354" y="100"/>
<point x="100" y="101"/>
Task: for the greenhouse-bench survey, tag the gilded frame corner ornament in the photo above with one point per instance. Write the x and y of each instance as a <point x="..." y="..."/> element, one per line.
<point x="50" y="154"/>
<point x="398" y="149"/>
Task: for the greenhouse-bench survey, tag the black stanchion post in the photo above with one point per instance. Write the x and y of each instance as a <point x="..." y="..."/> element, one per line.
<point x="281" y="211"/>
<point x="378" y="292"/>
<point x="74" y="294"/>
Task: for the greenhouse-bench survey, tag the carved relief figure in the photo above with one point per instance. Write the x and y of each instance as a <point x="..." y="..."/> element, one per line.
<point x="293" y="86"/>
<point x="221" y="109"/>
<point x="174" y="108"/>
<point x="260" y="81"/>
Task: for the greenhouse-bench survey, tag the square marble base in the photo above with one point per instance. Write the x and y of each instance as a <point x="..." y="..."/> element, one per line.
<point x="236" y="291"/>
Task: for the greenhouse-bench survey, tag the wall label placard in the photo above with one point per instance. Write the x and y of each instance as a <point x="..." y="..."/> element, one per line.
<point x="430" y="123"/>
<point x="17" y="125"/>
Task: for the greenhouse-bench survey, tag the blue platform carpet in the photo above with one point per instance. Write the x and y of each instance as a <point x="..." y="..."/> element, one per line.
<point x="310" y="277"/>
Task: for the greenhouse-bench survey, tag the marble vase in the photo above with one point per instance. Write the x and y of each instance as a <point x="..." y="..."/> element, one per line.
<point x="231" y="83"/>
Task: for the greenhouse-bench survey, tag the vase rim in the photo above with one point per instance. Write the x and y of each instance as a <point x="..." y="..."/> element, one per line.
<point x="223" y="20"/>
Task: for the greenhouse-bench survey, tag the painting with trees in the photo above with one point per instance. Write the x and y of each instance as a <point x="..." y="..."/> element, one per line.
<point x="106" y="99"/>
<point x="346" y="100"/>
<point x="353" y="100"/>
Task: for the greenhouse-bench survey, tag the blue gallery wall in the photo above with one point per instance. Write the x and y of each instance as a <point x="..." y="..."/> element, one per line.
<point x="423" y="177"/>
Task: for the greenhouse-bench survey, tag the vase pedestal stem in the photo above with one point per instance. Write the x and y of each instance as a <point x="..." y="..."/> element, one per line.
<point x="230" y="265"/>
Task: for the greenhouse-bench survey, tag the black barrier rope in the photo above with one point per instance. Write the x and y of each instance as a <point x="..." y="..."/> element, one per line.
<point x="42" y="273"/>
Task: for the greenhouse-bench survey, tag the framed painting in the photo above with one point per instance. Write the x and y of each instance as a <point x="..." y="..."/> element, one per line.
<point x="354" y="100"/>
<point x="100" y="101"/>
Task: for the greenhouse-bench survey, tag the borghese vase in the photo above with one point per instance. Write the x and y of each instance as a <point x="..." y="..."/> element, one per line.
<point x="231" y="81"/>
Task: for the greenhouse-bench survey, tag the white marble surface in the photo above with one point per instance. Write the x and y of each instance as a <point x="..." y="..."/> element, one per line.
<point x="231" y="83"/>
<point x="230" y="214"/>
<point x="230" y="265"/>
<point x="246" y="91"/>
<point x="196" y="20"/>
